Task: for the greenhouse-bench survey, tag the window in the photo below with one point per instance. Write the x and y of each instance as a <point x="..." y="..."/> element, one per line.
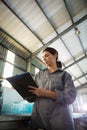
<point x="8" y="69"/>
<point x="36" y="70"/>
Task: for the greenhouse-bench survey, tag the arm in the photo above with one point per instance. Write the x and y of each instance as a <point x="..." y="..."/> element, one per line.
<point x="68" y="95"/>
<point x="40" y="92"/>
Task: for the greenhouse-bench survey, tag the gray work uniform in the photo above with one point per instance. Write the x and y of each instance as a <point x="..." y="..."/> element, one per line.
<point x="54" y="114"/>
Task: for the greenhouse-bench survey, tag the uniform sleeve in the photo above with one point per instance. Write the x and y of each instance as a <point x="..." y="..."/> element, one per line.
<point x="68" y="95"/>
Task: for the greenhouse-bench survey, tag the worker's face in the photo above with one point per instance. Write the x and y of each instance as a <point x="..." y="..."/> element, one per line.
<point x="48" y="58"/>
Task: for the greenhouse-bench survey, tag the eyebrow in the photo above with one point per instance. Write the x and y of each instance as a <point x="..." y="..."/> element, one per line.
<point x="45" y="55"/>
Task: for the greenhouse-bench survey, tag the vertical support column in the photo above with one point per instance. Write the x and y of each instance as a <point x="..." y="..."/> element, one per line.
<point x="29" y="66"/>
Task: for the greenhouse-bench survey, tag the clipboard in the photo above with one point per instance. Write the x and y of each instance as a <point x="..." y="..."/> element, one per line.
<point x="21" y="82"/>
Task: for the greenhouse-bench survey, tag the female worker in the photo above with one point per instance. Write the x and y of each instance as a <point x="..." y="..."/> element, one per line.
<point x="54" y="94"/>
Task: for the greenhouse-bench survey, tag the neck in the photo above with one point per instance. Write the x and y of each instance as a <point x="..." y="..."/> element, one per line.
<point x="52" y="68"/>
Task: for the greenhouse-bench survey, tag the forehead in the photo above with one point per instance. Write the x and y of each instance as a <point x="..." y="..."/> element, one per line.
<point x="46" y="53"/>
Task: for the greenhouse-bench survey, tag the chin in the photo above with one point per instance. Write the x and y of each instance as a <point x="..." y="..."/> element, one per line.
<point x="47" y="65"/>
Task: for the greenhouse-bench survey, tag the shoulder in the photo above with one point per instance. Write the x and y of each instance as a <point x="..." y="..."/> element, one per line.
<point x="42" y="72"/>
<point x="66" y="75"/>
<point x="64" y="72"/>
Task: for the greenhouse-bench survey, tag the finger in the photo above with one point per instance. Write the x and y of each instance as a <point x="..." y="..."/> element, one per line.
<point x="32" y="92"/>
<point x="29" y="90"/>
<point x="31" y="87"/>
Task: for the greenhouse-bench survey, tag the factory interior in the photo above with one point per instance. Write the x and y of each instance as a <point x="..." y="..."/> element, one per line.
<point x="26" y="29"/>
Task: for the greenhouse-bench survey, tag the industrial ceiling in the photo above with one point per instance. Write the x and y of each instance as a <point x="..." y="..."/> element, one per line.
<point x="30" y="26"/>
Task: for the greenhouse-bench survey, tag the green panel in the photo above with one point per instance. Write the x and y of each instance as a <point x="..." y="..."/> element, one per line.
<point x="38" y="64"/>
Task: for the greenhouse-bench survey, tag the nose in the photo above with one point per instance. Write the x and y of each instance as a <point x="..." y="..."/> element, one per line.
<point x="44" y="59"/>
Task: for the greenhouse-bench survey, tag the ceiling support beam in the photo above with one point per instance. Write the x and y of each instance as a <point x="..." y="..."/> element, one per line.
<point x="69" y="12"/>
<point x="53" y="25"/>
<point x="68" y="9"/>
<point x="60" y="35"/>
<point x="14" y="40"/>
<point x="82" y="86"/>
<point x="10" y="8"/>
<point x="54" y="39"/>
<point x="81" y="76"/>
<point x="47" y="17"/>
<point x="76" y="61"/>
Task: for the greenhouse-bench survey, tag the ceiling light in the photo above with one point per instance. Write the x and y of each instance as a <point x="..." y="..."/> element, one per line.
<point x="77" y="32"/>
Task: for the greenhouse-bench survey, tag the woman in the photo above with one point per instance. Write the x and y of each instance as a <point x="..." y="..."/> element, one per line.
<point x="56" y="91"/>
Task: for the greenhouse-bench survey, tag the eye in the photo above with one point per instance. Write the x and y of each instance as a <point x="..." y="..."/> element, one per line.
<point x="45" y="56"/>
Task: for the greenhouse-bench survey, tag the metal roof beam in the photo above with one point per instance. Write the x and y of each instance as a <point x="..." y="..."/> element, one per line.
<point x="46" y="17"/>
<point x="22" y="21"/>
<point x="68" y="9"/>
<point x="61" y="34"/>
<point x="66" y="5"/>
<point x="80" y="76"/>
<point x="52" y="24"/>
<point x="14" y="40"/>
<point x="82" y="86"/>
<point x="76" y="61"/>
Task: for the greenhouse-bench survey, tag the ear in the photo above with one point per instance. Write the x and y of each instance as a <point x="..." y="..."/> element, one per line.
<point x="56" y="56"/>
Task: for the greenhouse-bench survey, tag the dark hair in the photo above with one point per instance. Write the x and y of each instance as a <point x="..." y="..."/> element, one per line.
<point x="54" y="51"/>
